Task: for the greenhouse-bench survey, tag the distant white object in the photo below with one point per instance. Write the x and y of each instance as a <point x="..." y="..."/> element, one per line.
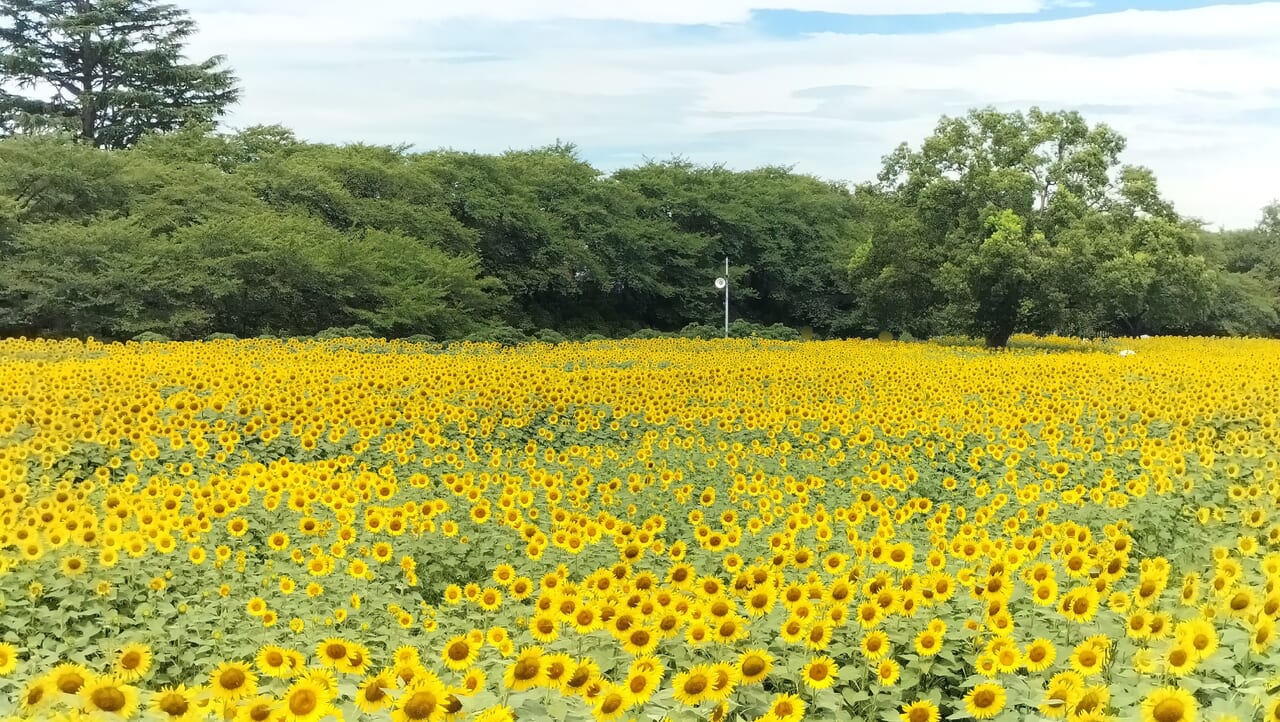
<point x="1128" y="352"/>
<point x="1144" y="337"/>
<point x="721" y="283"/>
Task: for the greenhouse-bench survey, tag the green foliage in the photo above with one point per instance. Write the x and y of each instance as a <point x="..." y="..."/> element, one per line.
<point x="501" y="335"/>
<point x="997" y="224"/>
<point x="1007" y="222"/>
<point x="646" y="334"/>
<point x="550" y="336"/>
<point x="108" y="71"/>
<point x="701" y="331"/>
<point x="354" y="331"/>
<point x="774" y="332"/>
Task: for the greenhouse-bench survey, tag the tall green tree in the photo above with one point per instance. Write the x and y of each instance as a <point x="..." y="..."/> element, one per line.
<point x="107" y="70"/>
<point x="1003" y="222"/>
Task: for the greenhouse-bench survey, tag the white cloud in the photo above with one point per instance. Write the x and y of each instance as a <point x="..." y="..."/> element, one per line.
<point x="1195" y="91"/>
<point x="677" y="12"/>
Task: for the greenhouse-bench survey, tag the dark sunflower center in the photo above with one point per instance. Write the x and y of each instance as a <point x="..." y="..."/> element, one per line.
<point x="108" y="699"/>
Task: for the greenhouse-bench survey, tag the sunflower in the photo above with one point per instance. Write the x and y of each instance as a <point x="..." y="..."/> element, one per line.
<point x="888" y="672"/>
<point x="1200" y="635"/>
<point x="642" y="681"/>
<point x="133" y="661"/>
<point x="406" y="655"/>
<point x="425" y="699"/>
<point x="175" y="704"/>
<point x="754" y="665"/>
<point x="928" y="643"/>
<point x="818" y="636"/>
<point x="37" y="693"/>
<point x="274" y="661"/>
<point x="490" y="599"/>
<point x="371" y="696"/>
<point x="526" y="671"/>
<point x="793" y="630"/>
<point x="1079" y="605"/>
<point x="985" y="700"/>
<point x="8" y="659"/>
<point x="690" y="687"/>
<point x="1092" y="700"/>
<point x="1180" y="659"/>
<point x="787" y="708"/>
<point x="584" y="674"/>
<point x="556" y="670"/>
<point x="259" y="709"/>
<point x="1040" y="655"/>
<point x="498" y="713"/>
<point x="724" y="679"/>
<point x="1008" y="659"/>
<point x="333" y="652"/>
<point x="875" y="646"/>
<point x="305" y="701"/>
<point x="73" y="565"/>
<point x="1060" y="696"/>
<point x="869" y="615"/>
<point x="1087" y="660"/>
<point x="473" y="681"/>
<point x="920" y="711"/>
<point x="1169" y="704"/>
<point x="68" y="678"/>
<point x="233" y="681"/>
<point x="610" y="704"/>
<point x="731" y="629"/>
<point x="458" y="653"/>
<point x="1262" y="636"/>
<point x="585" y="620"/>
<point x="109" y="694"/>
<point x="256" y="606"/>
<point x="820" y="672"/>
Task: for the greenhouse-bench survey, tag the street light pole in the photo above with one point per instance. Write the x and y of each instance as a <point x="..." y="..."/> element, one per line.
<point x="726" y="297"/>
<point x="723" y="282"/>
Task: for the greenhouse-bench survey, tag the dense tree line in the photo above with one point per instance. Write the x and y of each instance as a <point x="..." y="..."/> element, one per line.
<point x="997" y="223"/>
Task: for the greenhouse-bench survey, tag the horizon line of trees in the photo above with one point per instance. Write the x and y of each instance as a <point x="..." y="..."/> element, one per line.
<point x="123" y="212"/>
<point x="193" y="232"/>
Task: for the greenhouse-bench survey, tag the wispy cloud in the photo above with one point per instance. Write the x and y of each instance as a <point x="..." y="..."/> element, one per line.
<point x="1195" y="90"/>
<point x="678" y="12"/>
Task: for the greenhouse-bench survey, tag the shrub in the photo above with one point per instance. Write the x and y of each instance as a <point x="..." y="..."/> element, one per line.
<point x="776" y="332"/>
<point x="356" y="331"/>
<point x="645" y="334"/>
<point x="502" y="335"/>
<point x="151" y="337"/>
<point x="548" y="335"/>
<point x="702" y="331"/>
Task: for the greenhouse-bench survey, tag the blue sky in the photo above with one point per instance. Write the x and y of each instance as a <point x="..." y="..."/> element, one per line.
<point x="828" y="86"/>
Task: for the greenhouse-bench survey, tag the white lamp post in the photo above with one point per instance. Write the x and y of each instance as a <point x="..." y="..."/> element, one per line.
<point x="723" y="283"/>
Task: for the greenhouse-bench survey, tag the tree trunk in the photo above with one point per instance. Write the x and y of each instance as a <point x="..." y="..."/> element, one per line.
<point x="88" y="111"/>
<point x="998" y="338"/>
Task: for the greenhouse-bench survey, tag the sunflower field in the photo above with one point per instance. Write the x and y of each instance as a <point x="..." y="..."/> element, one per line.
<point x="296" y="531"/>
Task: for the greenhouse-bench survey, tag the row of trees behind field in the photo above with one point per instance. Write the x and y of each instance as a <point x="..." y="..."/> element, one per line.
<point x="123" y="211"/>
<point x="977" y="231"/>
